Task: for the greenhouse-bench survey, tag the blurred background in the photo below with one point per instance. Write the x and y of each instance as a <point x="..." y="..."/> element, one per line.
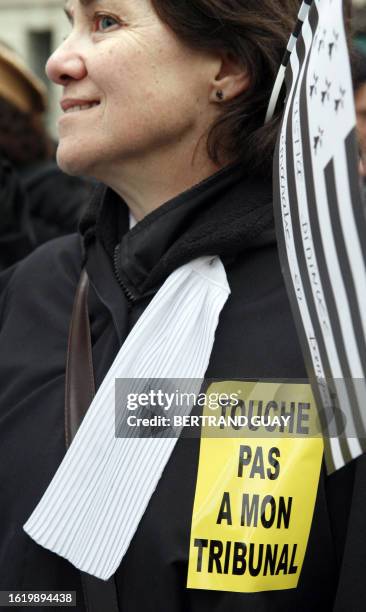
<point x="33" y="28"/>
<point x="38" y="202"/>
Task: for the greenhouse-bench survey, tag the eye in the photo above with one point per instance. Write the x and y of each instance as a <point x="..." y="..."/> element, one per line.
<point x="105" y="22"/>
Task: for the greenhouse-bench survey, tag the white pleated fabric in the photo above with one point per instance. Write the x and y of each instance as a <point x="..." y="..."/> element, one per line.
<point x="95" y="502"/>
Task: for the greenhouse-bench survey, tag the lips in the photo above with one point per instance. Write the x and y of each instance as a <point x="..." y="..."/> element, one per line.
<point x="70" y="105"/>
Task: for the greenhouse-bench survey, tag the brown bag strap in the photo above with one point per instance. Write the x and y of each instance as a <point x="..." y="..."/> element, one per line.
<point x="79" y="384"/>
<point x="79" y="393"/>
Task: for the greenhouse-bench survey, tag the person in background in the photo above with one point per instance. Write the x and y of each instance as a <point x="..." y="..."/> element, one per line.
<point x="16" y="234"/>
<point x="50" y="200"/>
<point x="359" y="86"/>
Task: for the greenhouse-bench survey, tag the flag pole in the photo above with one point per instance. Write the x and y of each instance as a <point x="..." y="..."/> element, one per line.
<point x="303" y="13"/>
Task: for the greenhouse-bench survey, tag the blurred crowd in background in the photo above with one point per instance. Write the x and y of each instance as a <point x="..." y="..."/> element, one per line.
<point x="37" y="201"/>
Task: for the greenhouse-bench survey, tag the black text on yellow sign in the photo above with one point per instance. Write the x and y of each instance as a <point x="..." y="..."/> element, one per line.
<point x="254" y="505"/>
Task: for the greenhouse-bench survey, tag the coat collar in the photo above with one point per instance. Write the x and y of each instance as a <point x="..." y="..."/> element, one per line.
<point x="222" y="215"/>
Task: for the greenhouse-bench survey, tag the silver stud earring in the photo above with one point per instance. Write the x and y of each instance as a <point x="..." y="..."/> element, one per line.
<point x="220" y="94"/>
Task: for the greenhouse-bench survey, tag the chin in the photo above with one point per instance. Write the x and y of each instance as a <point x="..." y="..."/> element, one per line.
<point x="72" y="161"/>
<point x="70" y="164"/>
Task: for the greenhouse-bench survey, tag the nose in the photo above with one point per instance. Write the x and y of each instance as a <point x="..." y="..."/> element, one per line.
<point x="66" y="64"/>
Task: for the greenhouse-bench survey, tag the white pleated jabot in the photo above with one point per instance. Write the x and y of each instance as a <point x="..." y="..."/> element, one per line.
<point x="95" y="502"/>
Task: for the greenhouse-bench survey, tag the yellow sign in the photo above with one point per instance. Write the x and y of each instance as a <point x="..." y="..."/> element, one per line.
<point x="255" y="496"/>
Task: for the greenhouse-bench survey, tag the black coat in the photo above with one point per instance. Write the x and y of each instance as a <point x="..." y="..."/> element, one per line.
<point x="256" y="338"/>
<point x="56" y="201"/>
<point x="17" y="238"/>
<point x="37" y="203"/>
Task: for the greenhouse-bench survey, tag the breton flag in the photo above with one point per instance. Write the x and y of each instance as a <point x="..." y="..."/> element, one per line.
<point x="321" y="223"/>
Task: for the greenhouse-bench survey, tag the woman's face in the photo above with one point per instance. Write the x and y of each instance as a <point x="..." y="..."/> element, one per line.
<point x="131" y="88"/>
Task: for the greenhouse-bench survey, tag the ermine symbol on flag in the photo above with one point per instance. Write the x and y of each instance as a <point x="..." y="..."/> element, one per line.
<point x="321" y="223"/>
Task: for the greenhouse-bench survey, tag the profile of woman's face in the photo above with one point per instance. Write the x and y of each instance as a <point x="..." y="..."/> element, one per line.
<point x="130" y="86"/>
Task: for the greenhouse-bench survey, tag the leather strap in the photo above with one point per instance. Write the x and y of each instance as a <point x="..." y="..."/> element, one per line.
<point x="79" y="393"/>
<point x="79" y="384"/>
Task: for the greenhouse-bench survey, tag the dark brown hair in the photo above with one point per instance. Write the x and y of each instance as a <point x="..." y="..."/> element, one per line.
<point x="256" y="32"/>
<point x="23" y="138"/>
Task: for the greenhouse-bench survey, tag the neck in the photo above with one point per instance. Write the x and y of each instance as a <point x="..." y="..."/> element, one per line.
<point x="147" y="184"/>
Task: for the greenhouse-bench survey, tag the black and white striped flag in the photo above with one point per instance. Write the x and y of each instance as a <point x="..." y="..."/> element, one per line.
<point x="321" y="224"/>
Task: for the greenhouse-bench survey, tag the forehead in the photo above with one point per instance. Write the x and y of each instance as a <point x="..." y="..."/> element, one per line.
<point x="70" y="4"/>
<point x="131" y="9"/>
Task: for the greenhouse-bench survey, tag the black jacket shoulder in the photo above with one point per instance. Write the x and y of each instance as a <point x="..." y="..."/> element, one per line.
<point x="49" y="274"/>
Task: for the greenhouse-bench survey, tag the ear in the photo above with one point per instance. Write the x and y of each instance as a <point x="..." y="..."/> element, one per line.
<point x="231" y="80"/>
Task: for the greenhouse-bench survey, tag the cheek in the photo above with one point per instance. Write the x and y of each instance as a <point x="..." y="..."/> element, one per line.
<point x="141" y="98"/>
<point x="149" y="78"/>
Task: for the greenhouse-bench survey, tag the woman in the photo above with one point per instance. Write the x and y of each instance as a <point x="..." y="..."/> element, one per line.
<point x="165" y="105"/>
